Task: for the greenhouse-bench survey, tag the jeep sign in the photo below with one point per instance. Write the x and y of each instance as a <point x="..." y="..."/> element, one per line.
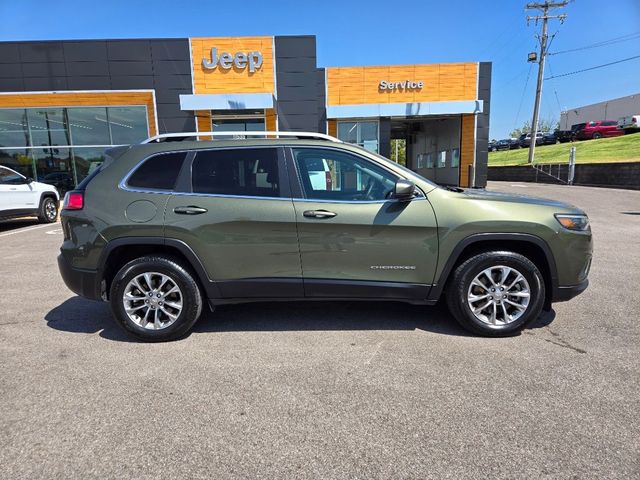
<point x="240" y="60"/>
<point x="403" y="85"/>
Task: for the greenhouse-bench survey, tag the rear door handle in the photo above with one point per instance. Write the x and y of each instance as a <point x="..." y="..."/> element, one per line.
<point x="319" y="214"/>
<point x="190" y="210"/>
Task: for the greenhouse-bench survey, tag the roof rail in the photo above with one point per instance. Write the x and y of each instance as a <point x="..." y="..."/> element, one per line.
<point x="312" y="135"/>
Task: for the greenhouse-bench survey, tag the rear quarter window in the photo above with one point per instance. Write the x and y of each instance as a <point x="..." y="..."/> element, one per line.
<point x="159" y="172"/>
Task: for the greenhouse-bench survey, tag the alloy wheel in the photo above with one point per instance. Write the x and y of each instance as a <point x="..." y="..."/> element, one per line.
<point x="499" y="295"/>
<point x="152" y="300"/>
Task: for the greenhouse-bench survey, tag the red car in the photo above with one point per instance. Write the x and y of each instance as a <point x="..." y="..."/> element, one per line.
<point x="602" y="128"/>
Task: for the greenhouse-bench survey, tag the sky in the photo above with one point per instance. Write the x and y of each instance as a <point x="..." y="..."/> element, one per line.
<point x="354" y="32"/>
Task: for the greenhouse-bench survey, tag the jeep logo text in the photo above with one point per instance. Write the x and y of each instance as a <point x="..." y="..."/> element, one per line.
<point x="240" y="60"/>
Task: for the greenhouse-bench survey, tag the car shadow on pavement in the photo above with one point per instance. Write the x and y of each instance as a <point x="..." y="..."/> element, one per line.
<point x="78" y="315"/>
<point x="8" y="225"/>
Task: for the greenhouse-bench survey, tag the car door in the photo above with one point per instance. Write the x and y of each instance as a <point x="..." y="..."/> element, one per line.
<point x="235" y="211"/>
<point x="356" y="241"/>
<point x="15" y="193"/>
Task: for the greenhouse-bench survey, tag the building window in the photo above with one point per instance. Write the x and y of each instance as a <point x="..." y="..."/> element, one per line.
<point x="455" y="157"/>
<point x="63" y="145"/>
<point x="238" y="121"/>
<point x="363" y="133"/>
<point x="442" y="159"/>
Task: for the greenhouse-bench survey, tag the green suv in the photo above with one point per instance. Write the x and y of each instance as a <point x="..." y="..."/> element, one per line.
<point x="162" y="228"/>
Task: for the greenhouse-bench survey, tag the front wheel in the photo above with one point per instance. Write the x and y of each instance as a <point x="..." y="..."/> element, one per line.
<point x="48" y="210"/>
<point x="155" y="298"/>
<point x="496" y="293"/>
<point x="597" y="135"/>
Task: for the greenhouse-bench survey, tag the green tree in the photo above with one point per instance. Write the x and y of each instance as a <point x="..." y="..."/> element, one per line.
<point x="401" y="146"/>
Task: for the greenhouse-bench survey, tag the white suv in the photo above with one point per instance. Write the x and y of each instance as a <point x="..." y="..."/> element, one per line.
<point x="23" y="197"/>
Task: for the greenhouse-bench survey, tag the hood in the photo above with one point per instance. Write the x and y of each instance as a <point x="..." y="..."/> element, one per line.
<point x="515" y="198"/>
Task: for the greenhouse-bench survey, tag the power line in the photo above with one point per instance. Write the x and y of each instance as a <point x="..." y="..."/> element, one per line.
<point x="593" y="68"/>
<point x="604" y="43"/>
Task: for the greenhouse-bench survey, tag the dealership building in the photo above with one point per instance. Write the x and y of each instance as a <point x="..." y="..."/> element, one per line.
<point x="63" y="102"/>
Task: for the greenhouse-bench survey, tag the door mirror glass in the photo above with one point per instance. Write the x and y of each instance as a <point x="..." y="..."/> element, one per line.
<point x="405" y="189"/>
<point x="28" y="180"/>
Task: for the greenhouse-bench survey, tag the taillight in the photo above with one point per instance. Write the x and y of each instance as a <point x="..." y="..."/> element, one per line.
<point x="73" y="201"/>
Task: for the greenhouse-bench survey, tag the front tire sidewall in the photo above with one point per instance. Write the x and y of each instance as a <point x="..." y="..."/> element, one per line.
<point x="465" y="274"/>
<point x="192" y="299"/>
<point x="43" y="216"/>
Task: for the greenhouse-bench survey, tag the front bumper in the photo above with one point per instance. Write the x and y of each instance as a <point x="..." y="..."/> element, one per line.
<point x="563" y="294"/>
<point x="80" y="281"/>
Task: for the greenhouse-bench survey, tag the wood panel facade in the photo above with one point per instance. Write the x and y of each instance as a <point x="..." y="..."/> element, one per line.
<point x="467" y="149"/>
<point x="232" y="80"/>
<point x="441" y="82"/>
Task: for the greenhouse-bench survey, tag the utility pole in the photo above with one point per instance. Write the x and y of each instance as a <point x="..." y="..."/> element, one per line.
<point x="544" y="7"/>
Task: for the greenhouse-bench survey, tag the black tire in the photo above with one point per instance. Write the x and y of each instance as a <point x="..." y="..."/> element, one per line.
<point x="181" y="276"/>
<point x="597" y="135"/>
<point x="48" y="210"/>
<point x="460" y="282"/>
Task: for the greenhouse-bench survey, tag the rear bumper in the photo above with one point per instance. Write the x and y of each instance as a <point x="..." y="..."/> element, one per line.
<point x="80" y="281"/>
<point x="563" y="294"/>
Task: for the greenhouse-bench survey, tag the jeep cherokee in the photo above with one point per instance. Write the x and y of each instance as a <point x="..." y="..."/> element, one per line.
<point x="162" y="228"/>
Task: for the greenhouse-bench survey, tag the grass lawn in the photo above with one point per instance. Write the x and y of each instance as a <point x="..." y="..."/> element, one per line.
<point x="603" y="150"/>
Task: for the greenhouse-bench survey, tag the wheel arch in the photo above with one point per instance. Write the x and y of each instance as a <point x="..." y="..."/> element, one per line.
<point x="122" y="250"/>
<point x="530" y="246"/>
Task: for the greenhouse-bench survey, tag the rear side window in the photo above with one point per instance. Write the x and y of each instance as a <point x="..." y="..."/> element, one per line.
<point x="249" y="172"/>
<point x="159" y="172"/>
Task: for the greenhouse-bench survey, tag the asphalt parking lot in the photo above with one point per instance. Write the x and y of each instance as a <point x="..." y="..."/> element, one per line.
<point x="324" y="390"/>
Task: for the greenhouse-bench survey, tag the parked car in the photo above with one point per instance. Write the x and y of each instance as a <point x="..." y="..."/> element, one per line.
<point x="514" y="143"/>
<point x="163" y="229"/>
<point x="492" y="145"/>
<point x="63" y="181"/>
<point x="599" y="129"/>
<point x="526" y="140"/>
<point x="502" y="145"/>
<point x="21" y="196"/>
<point x="629" y="124"/>
<point x="550" y="138"/>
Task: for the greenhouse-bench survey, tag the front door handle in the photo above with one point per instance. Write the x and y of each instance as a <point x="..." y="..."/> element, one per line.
<point x="190" y="210"/>
<point x="319" y="214"/>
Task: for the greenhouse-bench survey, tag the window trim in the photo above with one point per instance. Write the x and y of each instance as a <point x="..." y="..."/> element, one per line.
<point x="184" y="177"/>
<point x="298" y="190"/>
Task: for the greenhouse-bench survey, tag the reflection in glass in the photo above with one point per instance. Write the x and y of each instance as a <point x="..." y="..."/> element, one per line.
<point x="128" y="124"/>
<point x="18" y="160"/>
<point x="361" y="133"/>
<point x="88" y="126"/>
<point x="348" y="132"/>
<point x="14" y="131"/>
<point x="442" y="159"/>
<point x="455" y="157"/>
<point x="48" y="126"/>
<point x="86" y="161"/>
<point x="54" y="166"/>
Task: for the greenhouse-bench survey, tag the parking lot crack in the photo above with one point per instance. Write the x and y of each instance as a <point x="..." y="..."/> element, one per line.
<point x="561" y="342"/>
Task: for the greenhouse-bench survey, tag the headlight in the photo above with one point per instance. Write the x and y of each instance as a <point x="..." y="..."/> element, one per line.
<point x="578" y="223"/>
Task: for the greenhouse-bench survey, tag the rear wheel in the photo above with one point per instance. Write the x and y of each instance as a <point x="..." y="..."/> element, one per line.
<point x="496" y="293"/>
<point x="597" y="135"/>
<point x="155" y="298"/>
<point x="48" y="211"/>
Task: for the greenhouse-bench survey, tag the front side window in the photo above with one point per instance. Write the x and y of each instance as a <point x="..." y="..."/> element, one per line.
<point x="159" y="172"/>
<point x="339" y="176"/>
<point x="7" y="177"/>
<point x="250" y="172"/>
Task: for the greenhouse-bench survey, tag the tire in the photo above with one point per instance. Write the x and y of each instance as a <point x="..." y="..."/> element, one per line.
<point x="460" y="288"/>
<point x="48" y="210"/>
<point x="597" y="135"/>
<point x="158" y="324"/>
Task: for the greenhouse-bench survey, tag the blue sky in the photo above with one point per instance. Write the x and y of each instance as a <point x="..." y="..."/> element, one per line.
<point x="380" y="33"/>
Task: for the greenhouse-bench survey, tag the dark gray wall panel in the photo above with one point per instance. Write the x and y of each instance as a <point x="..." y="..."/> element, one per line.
<point x="482" y="128"/>
<point x="123" y="82"/>
<point x="94" y="51"/>
<point x="177" y="124"/>
<point x="11" y="70"/>
<point x="385" y="137"/>
<point x="41" y="52"/>
<point x="11" y="85"/>
<point x="133" y="50"/>
<point x="171" y="67"/>
<point x="47" y="69"/>
<point x="46" y="84"/>
<point x="176" y="49"/>
<point x="88" y="83"/>
<point x="169" y="95"/>
<point x="322" y="100"/>
<point x="87" y="69"/>
<point x="296" y="83"/>
<point x="130" y="68"/>
<point x="9" y="53"/>
<point x="173" y="81"/>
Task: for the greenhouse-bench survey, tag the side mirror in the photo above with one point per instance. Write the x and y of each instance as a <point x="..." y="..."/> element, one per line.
<point x="28" y="180"/>
<point x="405" y="190"/>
